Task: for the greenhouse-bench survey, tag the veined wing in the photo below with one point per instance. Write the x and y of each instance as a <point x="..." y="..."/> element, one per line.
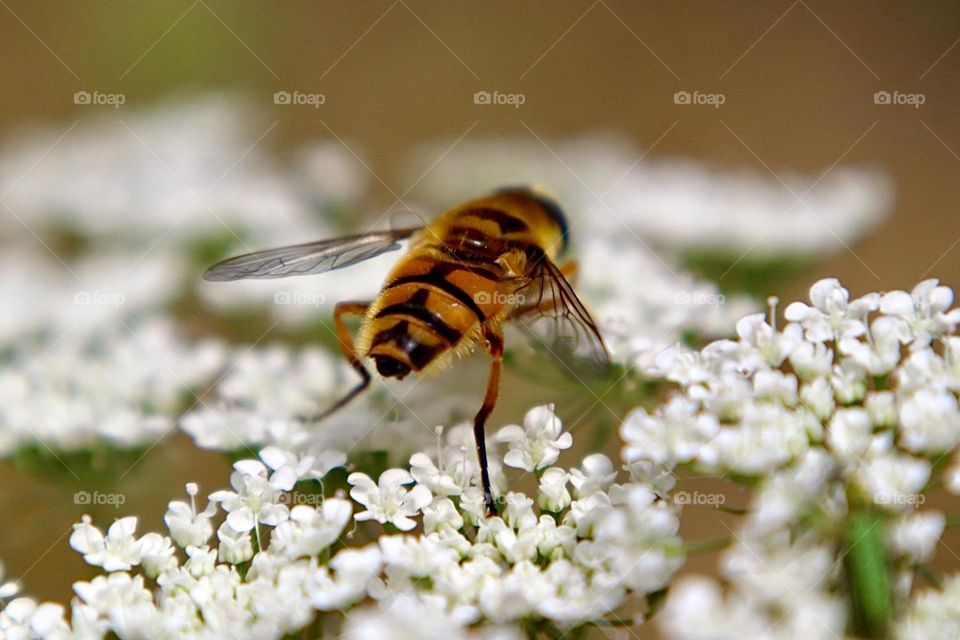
<point x="552" y="310"/>
<point x="308" y="258"/>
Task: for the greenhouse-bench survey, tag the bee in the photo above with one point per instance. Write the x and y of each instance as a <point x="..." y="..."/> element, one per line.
<point x="479" y="265"/>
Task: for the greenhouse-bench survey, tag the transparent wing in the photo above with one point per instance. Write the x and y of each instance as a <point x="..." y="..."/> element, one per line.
<point x="308" y="258"/>
<point x="552" y="313"/>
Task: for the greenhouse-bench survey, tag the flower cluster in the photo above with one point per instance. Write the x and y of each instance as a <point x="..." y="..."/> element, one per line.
<point x="563" y="558"/>
<point x="682" y="205"/>
<point x="124" y="385"/>
<point x="842" y="417"/>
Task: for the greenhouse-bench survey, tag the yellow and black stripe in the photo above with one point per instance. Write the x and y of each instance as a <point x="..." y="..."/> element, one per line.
<point x="455" y="279"/>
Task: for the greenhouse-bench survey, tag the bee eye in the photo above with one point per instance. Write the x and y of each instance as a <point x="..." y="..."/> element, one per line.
<point x="391" y="367"/>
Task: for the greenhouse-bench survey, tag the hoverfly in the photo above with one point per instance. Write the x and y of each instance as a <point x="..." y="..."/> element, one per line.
<point x="477" y="266"/>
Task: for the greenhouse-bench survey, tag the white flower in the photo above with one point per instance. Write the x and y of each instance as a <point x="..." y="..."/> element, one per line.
<point x="235" y="546"/>
<point x="812" y="360"/>
<point x="850" y="433"/>
<point x="187" y="527"/>
<point x="8" y="588"/>
<point x="118" y="551"/>
<point x="202" y="561"/>
<point x="306" y="465"/>
<point x="893" y="480"/>
<point x="407" y="616"/>
<point x="442" y="515"/>
<point x="773" y="346"/>
<point x="538" y="443"/>
<point x="849" y="382"/>
<point x="388" y="500"/>
<point x="832" y="316"/>
<point x="675" y="433"/>
<point x="256" y="496"/>
<point x="554" y="495"/>
<point x="596" y="473"/>
<point x="882" y="407"/>
<point x="930" y="421"/>
<point x="881" y="352"/>
<point x="311" y="530"/>
<point x="817" y="396"/>
<point x="355" y="568"/>
<point x="426" y="473"/>
<point x="916" y="535"/>
<point x="156" y="554"/>
<point x="933" y="613"/>
<point x="923" y="313"/>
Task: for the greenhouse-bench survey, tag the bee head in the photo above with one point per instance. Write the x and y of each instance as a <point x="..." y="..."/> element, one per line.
<point x="389" y="367"/>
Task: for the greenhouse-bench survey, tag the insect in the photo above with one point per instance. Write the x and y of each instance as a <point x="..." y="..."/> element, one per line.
<point x="476" y="267"/>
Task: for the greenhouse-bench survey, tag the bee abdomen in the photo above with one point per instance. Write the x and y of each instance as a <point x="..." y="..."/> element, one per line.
<point x="437" y="282"/>
<point x="424" y="316"/>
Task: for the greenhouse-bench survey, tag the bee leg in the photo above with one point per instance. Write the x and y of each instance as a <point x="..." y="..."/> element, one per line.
<point x="346" y="347"/>
<point x="495" y="349"/>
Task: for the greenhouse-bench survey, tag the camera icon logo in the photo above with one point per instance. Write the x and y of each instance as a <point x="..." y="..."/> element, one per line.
<point x="681" y="97"/>
<point x="882" y="97"/>
<point x="81" y="497"/>
<point x="482" y="97"/>
<point x="281" y="97"/>
<point x="81" y="97"/>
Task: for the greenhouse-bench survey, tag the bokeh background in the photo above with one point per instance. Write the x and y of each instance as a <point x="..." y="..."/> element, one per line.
<point x="798" y="79"/>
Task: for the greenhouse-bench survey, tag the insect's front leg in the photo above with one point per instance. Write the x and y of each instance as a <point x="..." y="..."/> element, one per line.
<point x="347" y="349"/>
<point x="494" y="346"/>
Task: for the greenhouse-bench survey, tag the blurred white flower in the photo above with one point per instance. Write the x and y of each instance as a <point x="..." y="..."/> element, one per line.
<point x="915" y="535"/>
<point x="930" y="421"/>
<point x="893" y="481"/>
<point x="8" y="588"/>
<point x="124" y="386"/>
<point x="680" y="204"/>
<point x="933" y="613"/>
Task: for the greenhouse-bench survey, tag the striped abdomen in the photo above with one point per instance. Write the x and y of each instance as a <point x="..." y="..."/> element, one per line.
<point x="455" y="280"/>
<point x="429" y="309"/>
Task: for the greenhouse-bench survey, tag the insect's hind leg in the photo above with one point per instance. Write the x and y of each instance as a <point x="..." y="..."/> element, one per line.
<point x="495" y="348"/>
<point x="347" y="349"/>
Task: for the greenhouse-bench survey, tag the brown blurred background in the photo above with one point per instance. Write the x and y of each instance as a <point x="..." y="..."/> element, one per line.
<point x="799" y="80"/>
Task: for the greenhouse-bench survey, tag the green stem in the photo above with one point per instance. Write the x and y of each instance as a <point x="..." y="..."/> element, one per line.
<point x="865" y="564"/>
